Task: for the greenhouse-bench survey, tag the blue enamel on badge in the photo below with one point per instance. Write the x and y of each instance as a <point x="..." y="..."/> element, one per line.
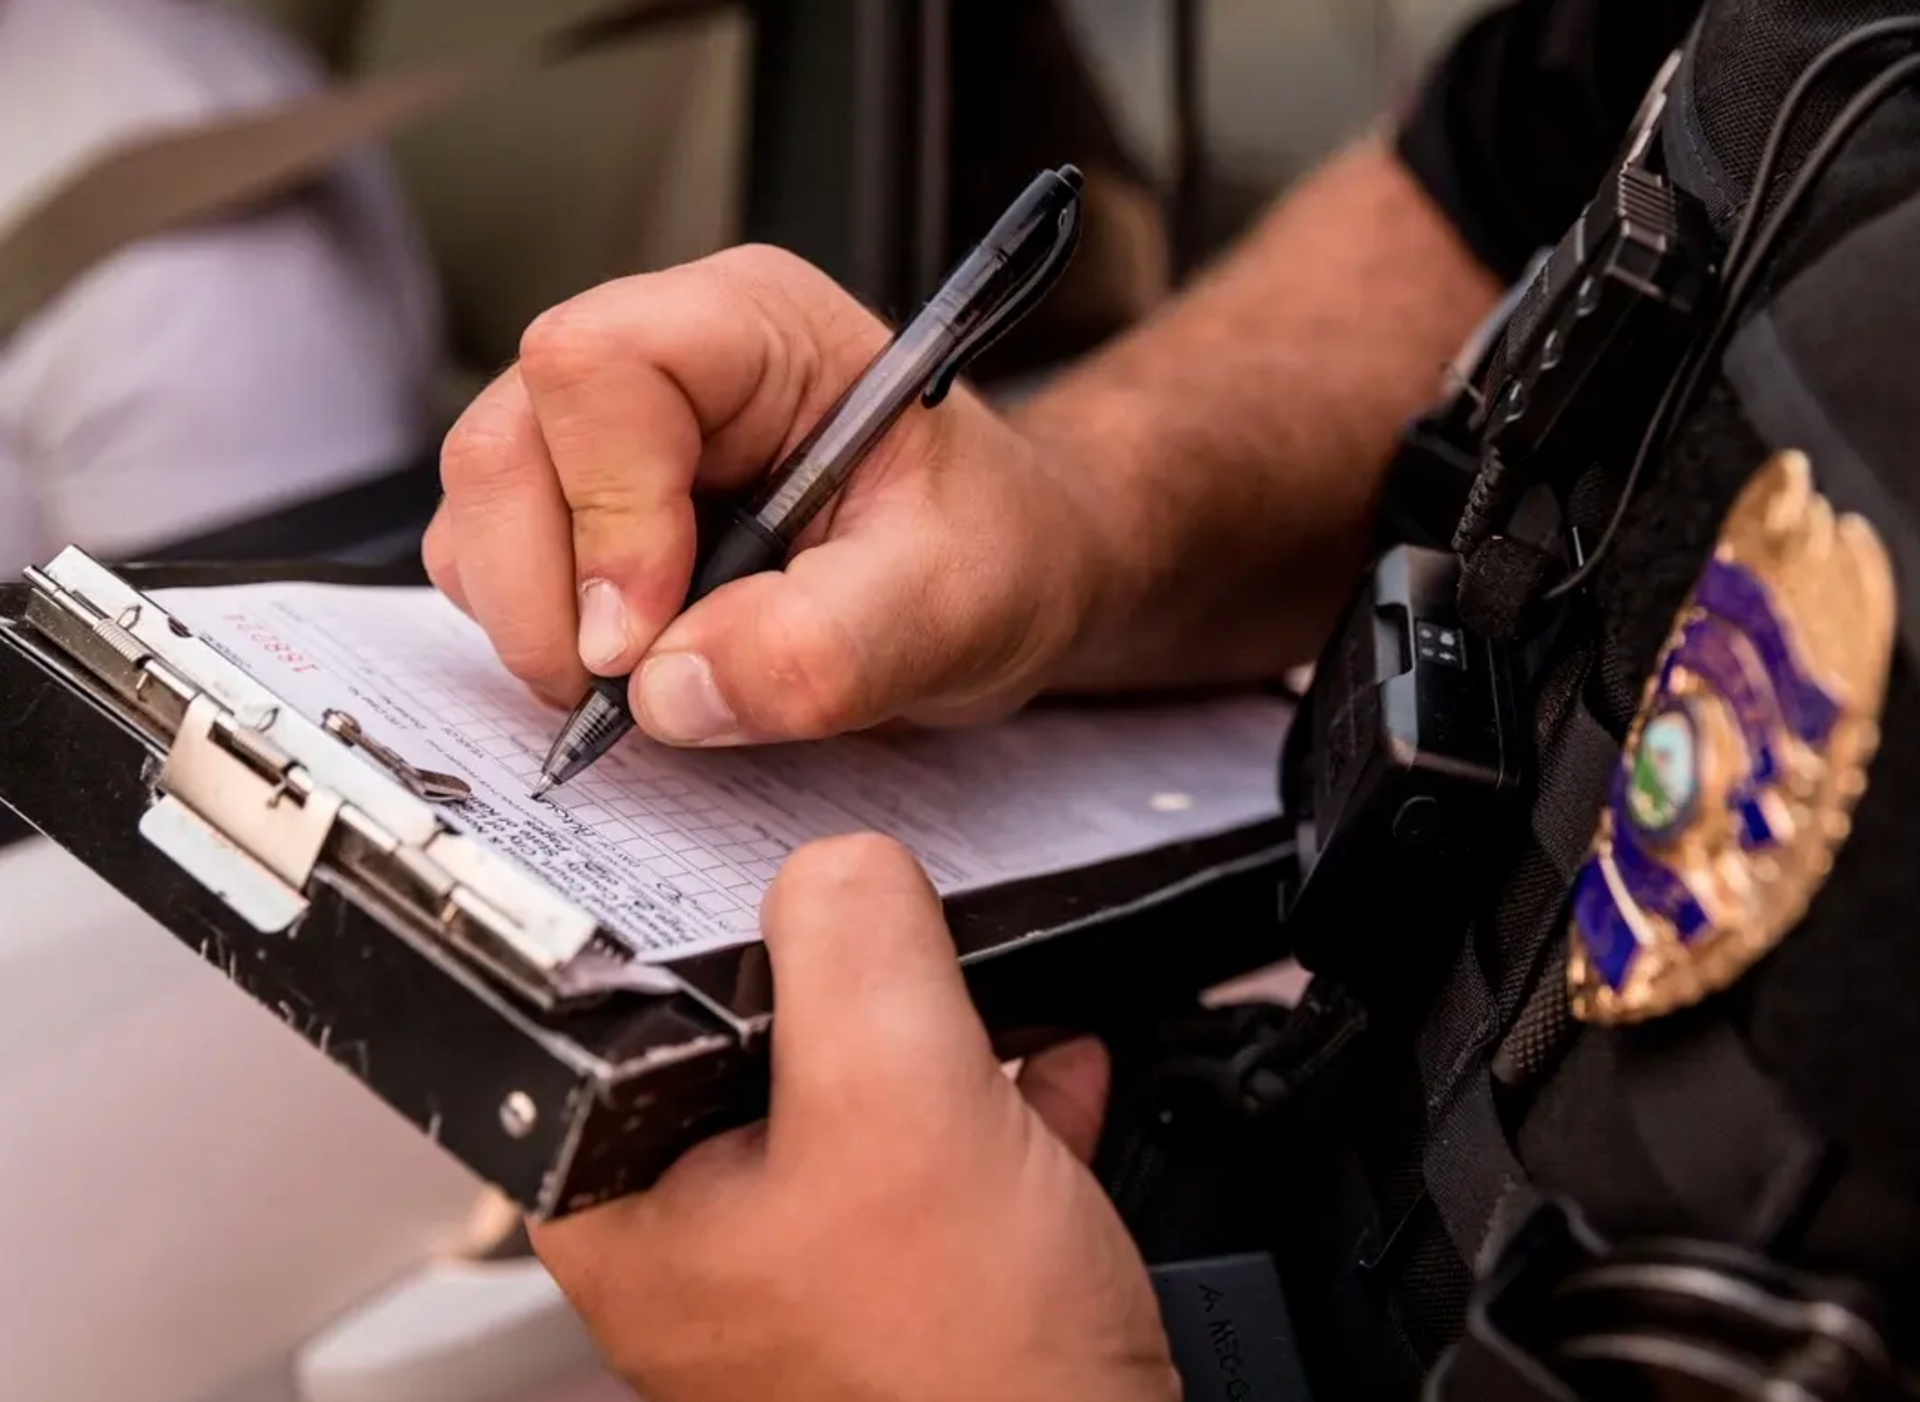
<point x="1738" y="779"/>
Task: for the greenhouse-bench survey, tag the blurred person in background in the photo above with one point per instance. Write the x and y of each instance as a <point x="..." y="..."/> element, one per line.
<point x="217" y="376"/>
<point x="199" y="383"/>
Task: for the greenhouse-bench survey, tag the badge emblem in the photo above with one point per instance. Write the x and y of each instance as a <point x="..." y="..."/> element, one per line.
<point x="1737" y="781"/>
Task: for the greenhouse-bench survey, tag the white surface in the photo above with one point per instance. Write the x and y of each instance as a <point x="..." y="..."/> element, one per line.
<point x="187" y="1190"/>
<point x="210" y="376"/>
<point x="673" y="849"/>
<point x="457" y="1332"/>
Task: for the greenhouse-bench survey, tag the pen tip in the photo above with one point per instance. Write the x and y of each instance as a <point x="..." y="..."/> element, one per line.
<point x="544" y="787"/>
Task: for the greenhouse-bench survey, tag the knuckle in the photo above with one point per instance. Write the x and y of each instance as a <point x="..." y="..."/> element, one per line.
<point x="605" y="512"/>
<point x="774" y="291"/>
<point x="478" y="456"/>
<point x="561" y="345"/>
<point x="643" y="549"/>
<point x="807" y="317"/>
<point x="467" y="455"/>
<point x="768" y="264"/>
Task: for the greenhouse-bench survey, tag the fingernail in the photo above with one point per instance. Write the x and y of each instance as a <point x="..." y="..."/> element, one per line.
<point x="603" y="625"/>
<point x="683" y="702"/>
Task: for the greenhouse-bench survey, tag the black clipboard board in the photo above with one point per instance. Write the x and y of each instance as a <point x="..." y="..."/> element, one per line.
<point x="559" y="1104"/>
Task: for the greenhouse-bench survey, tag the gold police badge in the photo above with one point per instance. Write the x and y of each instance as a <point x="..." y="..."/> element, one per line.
<point x="1737" y="781"/>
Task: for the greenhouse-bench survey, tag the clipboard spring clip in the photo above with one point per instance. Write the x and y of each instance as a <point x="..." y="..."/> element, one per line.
<point x="422" y="783"/>
<point x="261" y="805"/>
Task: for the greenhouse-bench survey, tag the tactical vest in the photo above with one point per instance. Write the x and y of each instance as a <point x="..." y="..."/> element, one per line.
<point x="1373" y="1149"/>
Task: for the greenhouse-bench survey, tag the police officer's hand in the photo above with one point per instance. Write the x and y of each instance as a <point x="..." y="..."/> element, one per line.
<point x="908" y="1225"/>
<point x="946" y="586"/>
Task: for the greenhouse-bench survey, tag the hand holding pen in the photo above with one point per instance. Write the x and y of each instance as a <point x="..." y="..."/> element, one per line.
<point x="950" y="582"/>
<point x="998" y="282"/>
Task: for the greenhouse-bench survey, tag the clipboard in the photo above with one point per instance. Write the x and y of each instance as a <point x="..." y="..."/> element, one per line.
<point x="315" y="875"/>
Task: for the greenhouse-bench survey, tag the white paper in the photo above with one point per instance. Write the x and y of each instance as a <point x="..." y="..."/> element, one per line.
<point x="672" y="849"/>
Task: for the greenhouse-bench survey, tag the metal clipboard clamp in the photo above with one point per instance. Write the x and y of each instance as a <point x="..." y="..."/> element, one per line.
<point x="251" y="798"/>
<point x="318" y="872"/>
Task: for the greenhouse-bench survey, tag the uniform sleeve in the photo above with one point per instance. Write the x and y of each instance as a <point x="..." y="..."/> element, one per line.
<point x="1516" y="125"/>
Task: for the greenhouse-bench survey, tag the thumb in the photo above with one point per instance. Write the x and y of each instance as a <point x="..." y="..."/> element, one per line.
<point x="1067" y="1088"/>
<point x="891" y="618"/>
<point x="872" y="1017"/>
<point x="841" y="639"/>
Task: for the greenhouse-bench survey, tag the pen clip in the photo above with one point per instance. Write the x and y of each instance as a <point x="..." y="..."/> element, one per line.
<point x="1020" y="299"/>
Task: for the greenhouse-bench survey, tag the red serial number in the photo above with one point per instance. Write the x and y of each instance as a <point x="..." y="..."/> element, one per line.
<point x="268" y="642"/>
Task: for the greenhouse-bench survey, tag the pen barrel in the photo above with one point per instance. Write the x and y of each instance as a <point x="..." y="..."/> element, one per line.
<point x="613" y="690"/>
<point x="826" y="457"/>
<point x="995" y="284"/>
<point x="746" y="549"/>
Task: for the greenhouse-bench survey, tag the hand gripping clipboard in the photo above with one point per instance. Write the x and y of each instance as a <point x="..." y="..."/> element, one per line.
<point x="476" y="1000"/>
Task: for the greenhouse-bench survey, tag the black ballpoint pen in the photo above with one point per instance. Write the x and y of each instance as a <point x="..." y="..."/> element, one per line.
<point x="1002" y="278"/>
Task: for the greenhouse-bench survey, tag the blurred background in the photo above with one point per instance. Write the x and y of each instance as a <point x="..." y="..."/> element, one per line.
<point x="194" y="1207"/>
<point x="876" y="137"/>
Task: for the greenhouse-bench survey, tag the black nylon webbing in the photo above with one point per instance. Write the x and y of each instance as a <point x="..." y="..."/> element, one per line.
<point x="1574" y="770"/>
<point x="1542" y="1030"/>
<point x="1470" y="1165"/>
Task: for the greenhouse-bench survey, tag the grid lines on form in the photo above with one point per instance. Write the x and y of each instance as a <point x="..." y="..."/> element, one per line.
<point x="641" y="808"/>
<point x="670" y="849"/>
<point x="684" y="840"/>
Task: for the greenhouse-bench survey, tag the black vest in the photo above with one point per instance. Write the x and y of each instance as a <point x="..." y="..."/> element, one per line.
<point x="1783" y="1114"/>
